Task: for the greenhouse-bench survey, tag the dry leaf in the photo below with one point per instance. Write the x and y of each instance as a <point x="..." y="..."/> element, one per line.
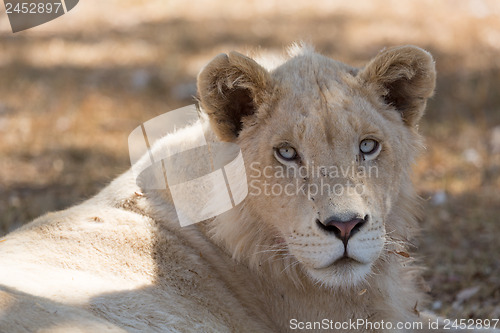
<point x="401" y="253"/>
<point x="415" y="310"/>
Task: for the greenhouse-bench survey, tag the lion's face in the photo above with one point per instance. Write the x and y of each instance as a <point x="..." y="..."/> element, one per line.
<point x="327" y="150"/>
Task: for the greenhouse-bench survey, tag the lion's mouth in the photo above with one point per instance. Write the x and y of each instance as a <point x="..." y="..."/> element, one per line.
<point x="342" y="262"/>
<point x="345" y="260"/>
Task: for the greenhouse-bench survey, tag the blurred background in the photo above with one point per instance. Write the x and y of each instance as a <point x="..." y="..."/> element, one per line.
<point x="72" y="90"/>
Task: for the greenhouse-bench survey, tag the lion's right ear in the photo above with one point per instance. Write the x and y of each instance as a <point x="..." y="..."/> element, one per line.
<point x="231" y="87"/>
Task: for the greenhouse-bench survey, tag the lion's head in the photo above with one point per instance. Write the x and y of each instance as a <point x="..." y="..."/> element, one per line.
<point x="328" y="150"/>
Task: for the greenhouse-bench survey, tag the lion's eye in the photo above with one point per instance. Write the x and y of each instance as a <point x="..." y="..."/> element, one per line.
<point x="369" y="148"/>
<point x="287" y="153"/>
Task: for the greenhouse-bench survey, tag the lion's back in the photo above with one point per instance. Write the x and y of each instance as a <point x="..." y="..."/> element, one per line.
<point x="96" y="267"/>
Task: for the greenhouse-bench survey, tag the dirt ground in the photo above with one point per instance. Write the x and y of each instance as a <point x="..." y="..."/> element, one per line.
<point x="73" y="89"/>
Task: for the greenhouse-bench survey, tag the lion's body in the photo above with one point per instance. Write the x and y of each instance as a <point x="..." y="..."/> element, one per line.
<point x="104" y="264"/>
<point x="108" y="265"/>
<point x="121" y="262"/>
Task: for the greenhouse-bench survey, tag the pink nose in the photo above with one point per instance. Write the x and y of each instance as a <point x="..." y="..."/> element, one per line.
<point x="343" y="230"/>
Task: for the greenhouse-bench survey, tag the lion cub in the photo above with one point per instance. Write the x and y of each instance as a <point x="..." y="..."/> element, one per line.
<point x="315" y="244"/>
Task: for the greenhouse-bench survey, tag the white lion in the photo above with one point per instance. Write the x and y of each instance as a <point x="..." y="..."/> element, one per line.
<point x="120" y="262"/>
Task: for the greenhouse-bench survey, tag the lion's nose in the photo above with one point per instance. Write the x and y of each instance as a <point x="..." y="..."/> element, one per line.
<point x="343" y="230"/>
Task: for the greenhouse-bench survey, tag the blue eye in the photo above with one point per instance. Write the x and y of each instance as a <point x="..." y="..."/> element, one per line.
<point x="287" y="153"/>
<point x="369" y="148"/>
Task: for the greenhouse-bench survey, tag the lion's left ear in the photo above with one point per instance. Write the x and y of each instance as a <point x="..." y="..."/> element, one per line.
<point x="405" y="77"/>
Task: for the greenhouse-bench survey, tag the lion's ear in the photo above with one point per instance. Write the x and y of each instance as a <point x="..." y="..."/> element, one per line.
<point x="405" y="77"/>
<point x="230" y="88"/>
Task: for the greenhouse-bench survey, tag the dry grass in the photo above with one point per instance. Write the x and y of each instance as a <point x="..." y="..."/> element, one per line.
<point x="73" y="89"/>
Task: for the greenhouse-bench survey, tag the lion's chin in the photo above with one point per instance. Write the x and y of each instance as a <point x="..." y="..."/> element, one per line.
<point x="344" y="272"/>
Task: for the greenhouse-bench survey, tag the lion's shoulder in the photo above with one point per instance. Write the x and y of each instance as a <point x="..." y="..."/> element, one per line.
<point x="107" y="263"/>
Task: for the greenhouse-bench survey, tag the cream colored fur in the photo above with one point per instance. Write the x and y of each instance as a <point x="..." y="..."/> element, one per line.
<point x="120" y="262"/>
